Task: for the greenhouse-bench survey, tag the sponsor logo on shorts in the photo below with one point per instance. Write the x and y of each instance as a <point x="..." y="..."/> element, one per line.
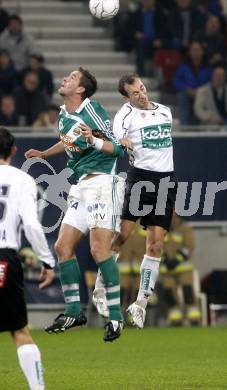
<point x="97" y="211"/>
<point x="96" y="206"/>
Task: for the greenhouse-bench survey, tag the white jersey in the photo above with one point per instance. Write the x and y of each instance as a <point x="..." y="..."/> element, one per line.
<point x="150" y="132"/>
<point x="18" y="206"/>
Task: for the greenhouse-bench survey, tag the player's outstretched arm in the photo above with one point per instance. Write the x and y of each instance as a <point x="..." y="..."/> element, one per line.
<point x="52" y="151"/>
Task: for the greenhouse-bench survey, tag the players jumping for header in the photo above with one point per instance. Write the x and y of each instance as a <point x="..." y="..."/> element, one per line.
<point x="95" y="203"/>
<point x="151" y="183"/>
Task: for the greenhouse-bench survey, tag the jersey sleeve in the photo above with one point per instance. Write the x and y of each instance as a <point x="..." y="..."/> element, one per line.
<point x="100" y="124"/>
<point x="122" y="122"/>
<point x="32" y="227"/>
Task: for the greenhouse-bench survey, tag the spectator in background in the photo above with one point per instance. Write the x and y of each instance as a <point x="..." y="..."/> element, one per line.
<point x="48" y="119"/>
<point x="30" y="101"/>
<point x="183" y="22"/>
<point x="36" y="64"/>
<point x="218" y="8"/>
<point x="212" y="40"/>
<point x="7" y="73"/>
<point x="4" y="18"/>
<point x="176" y="271"/>
<point x="8" y="114"/>
<point x="166" y="5"/>
<point x="189" y="76"/>
<point x="123" y="26"/>
<point x="149" y="33"/>
<point x="19" y="44"/>
<point x="211" y="99"/>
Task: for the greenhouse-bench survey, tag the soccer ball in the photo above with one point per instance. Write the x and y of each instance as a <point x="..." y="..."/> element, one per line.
<point x="104" y="9"/>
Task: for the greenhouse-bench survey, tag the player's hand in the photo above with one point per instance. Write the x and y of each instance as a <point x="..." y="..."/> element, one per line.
<point x="86" y="133"/>
<point x="34" y="153"/>
<point x="46" y="277"/>
<point x="126" y="143"/>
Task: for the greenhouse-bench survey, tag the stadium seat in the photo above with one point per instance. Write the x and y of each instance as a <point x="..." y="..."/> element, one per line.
<point x="167" y="60"/>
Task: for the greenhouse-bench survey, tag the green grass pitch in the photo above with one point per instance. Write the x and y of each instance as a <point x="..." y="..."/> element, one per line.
<point x="150" y="359"/>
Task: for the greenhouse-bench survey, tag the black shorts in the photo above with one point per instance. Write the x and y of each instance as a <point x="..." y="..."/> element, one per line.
<point x="153" y="200"/>
<point x="13" y="313"/>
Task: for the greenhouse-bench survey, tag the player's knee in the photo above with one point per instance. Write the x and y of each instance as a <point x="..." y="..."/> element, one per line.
<point x="155" y="248"/>
<point x="63" y="251"/>
<point x="99" y="250"/>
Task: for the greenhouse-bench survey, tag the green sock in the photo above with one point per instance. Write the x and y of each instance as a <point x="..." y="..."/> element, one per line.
<point x="110" y="273"/>
<point x="70" y="279"/>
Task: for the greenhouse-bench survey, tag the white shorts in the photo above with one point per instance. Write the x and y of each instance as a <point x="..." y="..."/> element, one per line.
<point x="96" y="202"/>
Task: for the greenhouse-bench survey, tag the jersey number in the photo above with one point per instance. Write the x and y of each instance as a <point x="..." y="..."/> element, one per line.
<point x="2" y="210"/>
<point x="4" y="192"/>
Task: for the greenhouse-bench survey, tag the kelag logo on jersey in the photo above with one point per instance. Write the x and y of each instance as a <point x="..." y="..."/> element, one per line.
<point x="156" y="137"/>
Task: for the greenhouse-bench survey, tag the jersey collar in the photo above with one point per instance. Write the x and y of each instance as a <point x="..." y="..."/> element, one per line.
<point x="80" y="108"/>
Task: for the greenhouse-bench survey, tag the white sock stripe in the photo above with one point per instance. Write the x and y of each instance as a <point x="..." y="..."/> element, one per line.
<point x="72" y="299"/>
<point x="150" y="258"/>
<point x="68" y="287"/>
<point x="113" y="302"/>
<point x="113" y="289"/>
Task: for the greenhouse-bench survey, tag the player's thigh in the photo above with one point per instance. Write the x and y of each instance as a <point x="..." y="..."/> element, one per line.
<point x="76" y="214"/>
<point x="103" y="196"/>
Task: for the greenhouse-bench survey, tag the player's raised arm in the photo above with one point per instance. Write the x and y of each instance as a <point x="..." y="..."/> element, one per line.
<point x="105" y="146"/>
<point x="45" y="154"/>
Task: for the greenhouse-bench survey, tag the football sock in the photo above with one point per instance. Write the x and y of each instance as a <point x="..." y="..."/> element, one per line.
<point x="149" y="271"/>
<point x="111" y="278"/>
<point x="30" y="361"/>
<point x="99" y="283"/>
<point x="70" y="279"/>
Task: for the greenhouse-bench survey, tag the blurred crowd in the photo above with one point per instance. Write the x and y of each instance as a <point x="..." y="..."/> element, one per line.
<point x="26" y="85"/>
<point x="180" y="43"/>
<point x="183" y="43"/>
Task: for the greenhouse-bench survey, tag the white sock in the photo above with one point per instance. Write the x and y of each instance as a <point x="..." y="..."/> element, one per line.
<point x="99" y="284"/>
<point x="149" y="271"/>
<point x="30" y="361"/>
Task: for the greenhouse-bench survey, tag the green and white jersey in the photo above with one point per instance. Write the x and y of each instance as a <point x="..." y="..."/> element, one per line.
<point x="83" y="158"/>
<point x="150" y="132"/>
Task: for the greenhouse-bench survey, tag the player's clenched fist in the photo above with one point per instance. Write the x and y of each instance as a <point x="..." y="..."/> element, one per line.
<point x="86" y="132"/>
